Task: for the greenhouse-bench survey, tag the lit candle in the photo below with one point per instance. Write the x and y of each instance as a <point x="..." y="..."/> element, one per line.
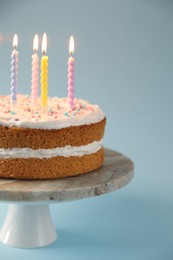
<point x="14" y="71"/>
<point x="71" y="74"/>
<point x="34" y="80"/>
<point x="44" y="74"/>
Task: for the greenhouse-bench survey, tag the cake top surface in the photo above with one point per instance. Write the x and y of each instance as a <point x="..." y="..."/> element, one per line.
<point x="57" y="115"/>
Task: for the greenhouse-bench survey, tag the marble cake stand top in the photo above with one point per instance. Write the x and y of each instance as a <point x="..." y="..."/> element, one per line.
<point x="116" y="172"/>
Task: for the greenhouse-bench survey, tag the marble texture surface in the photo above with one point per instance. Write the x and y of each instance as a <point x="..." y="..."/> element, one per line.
<point x="116" y="172"/>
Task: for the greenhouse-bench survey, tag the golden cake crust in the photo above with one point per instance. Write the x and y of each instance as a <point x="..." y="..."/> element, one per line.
<point x="51" y="168"/>
<point x="16" y="137"/>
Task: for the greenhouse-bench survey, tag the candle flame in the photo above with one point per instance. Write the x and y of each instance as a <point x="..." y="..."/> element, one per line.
<point x="71" y="45"/>
<point x="44" y="44"/>
<point x="35" y="44"/>
<point x="15" y="41"/>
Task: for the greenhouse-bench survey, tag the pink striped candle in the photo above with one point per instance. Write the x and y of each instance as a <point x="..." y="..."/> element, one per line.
<point x="35" y="78"/>
<point x="71" y="74"/>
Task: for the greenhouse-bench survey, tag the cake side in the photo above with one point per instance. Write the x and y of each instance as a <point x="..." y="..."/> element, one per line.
<point x="54" y="144"/>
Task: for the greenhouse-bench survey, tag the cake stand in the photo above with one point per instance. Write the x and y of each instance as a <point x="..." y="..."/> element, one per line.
<point x="28" y="223"/>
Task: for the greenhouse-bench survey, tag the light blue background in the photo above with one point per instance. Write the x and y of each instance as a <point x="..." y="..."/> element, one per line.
<point x="124" y="62"/>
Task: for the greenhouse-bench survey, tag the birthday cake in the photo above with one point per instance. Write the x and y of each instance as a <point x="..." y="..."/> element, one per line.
<point x="54" y="144"/>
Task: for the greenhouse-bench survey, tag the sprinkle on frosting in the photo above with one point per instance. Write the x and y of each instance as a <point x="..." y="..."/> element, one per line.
<point x="57" y="116"/>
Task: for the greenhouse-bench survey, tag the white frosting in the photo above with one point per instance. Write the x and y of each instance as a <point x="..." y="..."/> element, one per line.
<point x="57" y="115"/>
<point x="48" y="153"/>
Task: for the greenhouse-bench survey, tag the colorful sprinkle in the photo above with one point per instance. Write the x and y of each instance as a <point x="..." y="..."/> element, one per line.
<point x="90" y="108"/>
<point x="66" y="114"/>
<point x="13" y="113"/>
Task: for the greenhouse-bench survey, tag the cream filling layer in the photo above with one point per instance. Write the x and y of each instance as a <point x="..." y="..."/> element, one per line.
<point x="66" y="151"/>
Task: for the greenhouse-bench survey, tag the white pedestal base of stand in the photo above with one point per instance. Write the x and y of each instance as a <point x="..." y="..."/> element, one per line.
<point x="28" y="226"/>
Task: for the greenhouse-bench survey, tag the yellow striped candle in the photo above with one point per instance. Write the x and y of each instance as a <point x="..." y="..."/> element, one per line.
<point x="44" y="74"/>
